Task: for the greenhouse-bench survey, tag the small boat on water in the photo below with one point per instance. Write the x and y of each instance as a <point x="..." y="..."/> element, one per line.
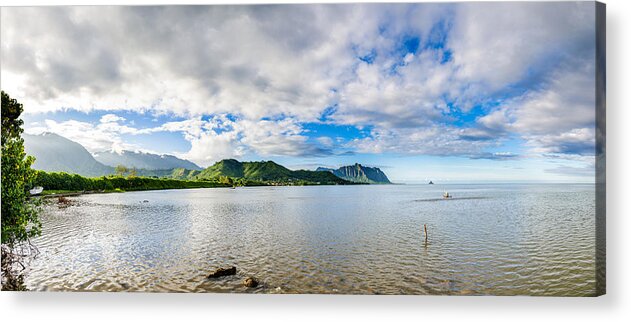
<point x="431" y="182"/>
<point x="36" y="191"/>
<point x="446" y="195"/>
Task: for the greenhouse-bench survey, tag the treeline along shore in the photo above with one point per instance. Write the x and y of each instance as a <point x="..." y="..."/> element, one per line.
<point x="66" y="182"/>
<point x="62" y="182"/>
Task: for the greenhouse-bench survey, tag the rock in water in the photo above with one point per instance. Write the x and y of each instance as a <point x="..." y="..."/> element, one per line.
<point x="250" y="282"/>
<point x="223" y="272"/>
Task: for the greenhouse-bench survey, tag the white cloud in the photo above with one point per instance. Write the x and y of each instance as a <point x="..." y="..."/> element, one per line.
<point x="107" y="118"/>
<point x="210" y="147"/>
<point x="274" y="138"/>
<point x="325" y="141"/>
<point x="495" y="44"/>
<point x="222" y="138"/>
<point x="262" y="61"/>
<point x="104" y="135"/>
<point x="411" y="96"/>
<point x="216" y="59"/>
<point x="560" y="117"/>
<point x="95" y="138"/>
<point x="275" y="67"/>
<point x="568" y="102"/>
<point x="576" y="141"/>
<point x="439" y="141"/>
<point x="192" y="128"/>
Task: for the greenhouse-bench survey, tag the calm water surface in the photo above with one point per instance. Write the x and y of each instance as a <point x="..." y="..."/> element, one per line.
<point x="489" y="239"/>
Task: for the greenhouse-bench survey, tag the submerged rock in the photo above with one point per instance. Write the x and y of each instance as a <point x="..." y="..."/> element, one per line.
<point x="250" y="282"/>
<point x="223" y="272"/>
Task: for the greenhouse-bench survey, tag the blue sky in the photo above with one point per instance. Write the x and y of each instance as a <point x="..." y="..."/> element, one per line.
<point x="444" y="92"/>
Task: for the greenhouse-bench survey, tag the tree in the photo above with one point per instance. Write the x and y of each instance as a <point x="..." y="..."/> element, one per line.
<point x="20" y="219"/>
<point x="11" y="122"/>
<point x="225" y="180"/>
<point x="121" y="170"/>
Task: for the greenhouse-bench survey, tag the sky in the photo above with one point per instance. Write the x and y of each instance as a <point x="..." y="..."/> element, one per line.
<point x="451" y="92"/>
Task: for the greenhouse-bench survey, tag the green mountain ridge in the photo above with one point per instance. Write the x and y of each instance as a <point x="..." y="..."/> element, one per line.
<point x="266" y="171"/>
<point x="359" y="174"/>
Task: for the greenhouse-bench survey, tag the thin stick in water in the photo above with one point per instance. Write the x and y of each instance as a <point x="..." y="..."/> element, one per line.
<point x="425" y="226"/>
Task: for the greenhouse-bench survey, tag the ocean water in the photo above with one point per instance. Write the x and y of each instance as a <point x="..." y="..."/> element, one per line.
<point x="494" y="239"/>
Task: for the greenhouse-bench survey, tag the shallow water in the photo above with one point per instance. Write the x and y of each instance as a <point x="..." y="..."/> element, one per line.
<point x="488" y="239"/>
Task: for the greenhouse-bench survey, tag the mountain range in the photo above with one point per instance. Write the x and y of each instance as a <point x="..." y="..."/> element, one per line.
<point x="359" y="173"/>
<point x="54" y="153"/>
<point x="142" y="160"/>
<point x="266" y="171"/>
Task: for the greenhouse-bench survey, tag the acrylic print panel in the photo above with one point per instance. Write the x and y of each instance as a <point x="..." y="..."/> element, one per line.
<point x="451" y="149"/>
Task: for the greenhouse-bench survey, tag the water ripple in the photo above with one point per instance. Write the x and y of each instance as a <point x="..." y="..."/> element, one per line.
<point x="488" y="239"/>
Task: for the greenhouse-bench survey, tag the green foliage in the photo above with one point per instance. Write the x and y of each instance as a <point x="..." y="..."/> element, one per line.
<point x="11" y="122"/>
<point x="266" y="172"/>
<point x="75" y="182"/>
<point x="229" y="168"/>
<point x="121" y="170"/>
<point x="19" y="212"/>
<point x="177" y="173"/>
<point x="360" y="174"/>
<point x="225" y="180"/>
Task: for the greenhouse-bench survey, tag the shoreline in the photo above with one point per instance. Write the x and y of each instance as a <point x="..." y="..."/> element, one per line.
<point x="92" y="192"/>
<point x="73" y="193"/>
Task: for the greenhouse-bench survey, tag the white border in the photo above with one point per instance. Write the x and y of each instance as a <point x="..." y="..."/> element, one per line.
<point x="614" y="306"/>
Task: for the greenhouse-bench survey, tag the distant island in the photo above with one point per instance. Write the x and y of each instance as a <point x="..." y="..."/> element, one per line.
<point x="66" y="165"/>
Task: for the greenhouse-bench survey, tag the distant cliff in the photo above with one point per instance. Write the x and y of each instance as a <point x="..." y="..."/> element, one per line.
<point x="359" y="173"/>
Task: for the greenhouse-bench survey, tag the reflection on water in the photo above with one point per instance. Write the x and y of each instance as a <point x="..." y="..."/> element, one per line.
<point x="488" y="239"/>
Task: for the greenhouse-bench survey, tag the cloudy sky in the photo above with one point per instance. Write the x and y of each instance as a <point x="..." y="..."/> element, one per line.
<point x="452" y="92"/>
